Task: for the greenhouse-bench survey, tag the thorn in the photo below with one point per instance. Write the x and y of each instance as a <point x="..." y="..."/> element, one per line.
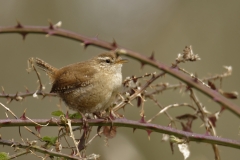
<point x="142" y="120"/>
<point x="208" y="133"/>
<point x="122" y="98"/>
<point x="16" y="95"/>
<point x="222" y="109"/>
<point x="86" y="44"/>
<point x="3" y="91"/>
<point x="195" y="78"/>
<point x="19" y="25"/>
<point x="114" y="43"/>
<point x="38" y="128"/>
<point x="50" y="25"/>
<point x="23" y="117"/>
<point x="43" y="96"/>
<point x="24" y="34"/>
<point x="27" y="91"/>
<point x="142" y="64"/>
<point x="152" y="56"/>
<point x="96" y="37"/>
<point x="9" y="100"/>
<point x="134" y="129"/>
<point x="187" y="88"/>
<point x="129" y="102"/>
<point x="149" y="133"/>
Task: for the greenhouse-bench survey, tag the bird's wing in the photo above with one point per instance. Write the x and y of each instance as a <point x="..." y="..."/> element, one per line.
<point x="68" y="78"/>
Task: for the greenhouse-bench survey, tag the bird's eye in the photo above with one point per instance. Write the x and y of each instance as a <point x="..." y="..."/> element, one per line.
<point x="108" y="61"/>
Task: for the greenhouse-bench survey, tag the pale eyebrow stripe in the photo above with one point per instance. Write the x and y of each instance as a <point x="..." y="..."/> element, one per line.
<point x="103" y="58"/>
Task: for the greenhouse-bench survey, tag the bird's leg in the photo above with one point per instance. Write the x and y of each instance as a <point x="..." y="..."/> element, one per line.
<point x="109" y="117"/>
<point x="84" y="120"/>
<point x="98" y="115"/>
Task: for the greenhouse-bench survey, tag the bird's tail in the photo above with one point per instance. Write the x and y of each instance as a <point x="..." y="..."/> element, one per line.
<point x="45" y="67"/>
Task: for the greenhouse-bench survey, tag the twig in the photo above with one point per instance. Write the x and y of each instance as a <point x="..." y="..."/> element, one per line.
<point x="96" y="135"/>
<point x="28" y="129"/>
<point x="31" y="61"/>
<point x="72" y="136"/>
<point x="160" y="106"/>
<point x="207" y="124"/>
<point x="168" y="107"/>
<point x="20" y="153"/>
<point x="28" y="94"/>
<point x="137" y="92"/>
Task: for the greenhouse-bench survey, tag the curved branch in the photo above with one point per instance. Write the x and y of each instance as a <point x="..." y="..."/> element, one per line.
<point x="51" y="30"/>
<point x="130" y="124"/>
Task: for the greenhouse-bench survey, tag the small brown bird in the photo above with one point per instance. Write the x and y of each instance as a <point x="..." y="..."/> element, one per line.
<point x="90" y="86"/>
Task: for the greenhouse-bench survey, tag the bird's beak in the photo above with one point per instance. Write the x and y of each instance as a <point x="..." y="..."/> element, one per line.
<point x="121" y="61"/>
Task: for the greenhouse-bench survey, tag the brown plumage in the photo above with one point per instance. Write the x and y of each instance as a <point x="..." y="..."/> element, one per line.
<point x="89" y="86"/>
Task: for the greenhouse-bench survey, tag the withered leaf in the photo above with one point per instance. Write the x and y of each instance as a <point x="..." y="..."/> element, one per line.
<point x="212" y="85"/>
<point x="110" y="131"/>
<point x="230" y="95"/>
<point x="186" y="117"/>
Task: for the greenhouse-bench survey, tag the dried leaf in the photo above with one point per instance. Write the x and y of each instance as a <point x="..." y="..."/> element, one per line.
<point x="213" y="120"/>
<point x="186" y="117"/>
<point x="212" y="85"/>
<point x="230" y="95"/>
<point x="110" y="131"/>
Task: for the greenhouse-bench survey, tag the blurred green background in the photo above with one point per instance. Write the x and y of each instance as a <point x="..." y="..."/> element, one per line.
<point x="211" y="27"/>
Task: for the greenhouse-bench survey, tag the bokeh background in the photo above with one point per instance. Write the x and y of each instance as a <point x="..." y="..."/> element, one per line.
<point x="211" y="27"/>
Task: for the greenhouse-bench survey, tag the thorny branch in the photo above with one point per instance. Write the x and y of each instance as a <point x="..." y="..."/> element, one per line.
<point x="131" y="124"/>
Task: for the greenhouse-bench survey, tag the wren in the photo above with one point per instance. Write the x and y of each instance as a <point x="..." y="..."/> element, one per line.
<point x="87" y="87"/>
